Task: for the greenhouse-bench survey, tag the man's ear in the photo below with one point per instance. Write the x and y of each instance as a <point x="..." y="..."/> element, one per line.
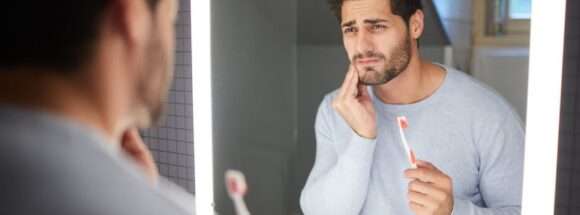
<point x="416" y="24"/>
<point x="130" y="20"/>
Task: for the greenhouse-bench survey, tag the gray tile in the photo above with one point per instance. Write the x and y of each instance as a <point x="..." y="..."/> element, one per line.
<point x="173" y="171"/>
<point x="171" y="134"/>
<point x="182" y="159"/>
<point x="180" y="123"/>
<point x="163" y="169"/>
<point x="172" y="146"/>
<point x="180" y="110"/>
<point x="163" y="157"/>
<point x="189" y="124"/>
<point x="180" y="96"/>
<point x="181" y="135"/>
<point x="182" y="172"/>
<point x="182" y="148"/>
<point x="172" y="159"/>
<point x="163" y="144"/>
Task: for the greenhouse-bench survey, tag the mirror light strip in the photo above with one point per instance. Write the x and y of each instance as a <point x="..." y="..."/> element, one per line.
<point x="544" y="88"/>
<point x="202" y="104"/>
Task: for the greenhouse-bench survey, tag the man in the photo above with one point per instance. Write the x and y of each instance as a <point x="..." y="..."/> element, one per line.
<point x="76" y="80"/>
<point x="467" y="139"/>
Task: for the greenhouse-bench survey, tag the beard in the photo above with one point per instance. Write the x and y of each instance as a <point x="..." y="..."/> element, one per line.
<point x="390" y="68"/>
<point x="153" y="84"/>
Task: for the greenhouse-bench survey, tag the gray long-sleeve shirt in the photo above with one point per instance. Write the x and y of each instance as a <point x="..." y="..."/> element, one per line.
<point x="464" y="128"/>
<point x="51" y="165"/>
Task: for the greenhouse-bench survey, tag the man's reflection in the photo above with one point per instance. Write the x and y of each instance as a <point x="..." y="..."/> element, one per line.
<point x="468" y="140"/>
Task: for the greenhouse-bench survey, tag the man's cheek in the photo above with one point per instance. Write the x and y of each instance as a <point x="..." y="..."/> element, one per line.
<point x="349" y="51"/>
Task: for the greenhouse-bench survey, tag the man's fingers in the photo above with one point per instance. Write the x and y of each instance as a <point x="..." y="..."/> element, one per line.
<point x="133" y="145"/>
<point x="423" y="174"/>
<point x="420" y="198"/>
<point x="357" y="113"/>
<point x="352" y="85"/>
<point x="132" y="141"/>
<point x="426" y="165"/>
<point x="428" y="189"/>
<point x="430" y="176"/>
<point x="344" y="84"/>
<point x="420" y="186"/>
<point x="431" y="189"/>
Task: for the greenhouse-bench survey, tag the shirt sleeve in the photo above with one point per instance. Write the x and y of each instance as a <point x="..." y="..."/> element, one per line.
<point x="338" y="182"/>
<point x="501" y="170"/>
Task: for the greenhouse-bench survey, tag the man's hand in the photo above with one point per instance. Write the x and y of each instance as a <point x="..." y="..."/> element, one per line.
<point x="356" y="108"/>
<point x="133" y="145"/>
<point x="431" y="191"/>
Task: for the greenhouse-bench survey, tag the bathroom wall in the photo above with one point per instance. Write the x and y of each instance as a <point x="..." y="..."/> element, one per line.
<point x="254" y="100"/>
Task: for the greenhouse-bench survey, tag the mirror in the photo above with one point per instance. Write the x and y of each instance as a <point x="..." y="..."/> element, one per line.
<point x="272" y="62"/>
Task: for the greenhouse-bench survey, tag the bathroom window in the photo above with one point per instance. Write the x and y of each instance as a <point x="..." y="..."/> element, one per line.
<point x="520" y="9"/>
<point x="519" y="13"/>
<point x="502" y="22"/>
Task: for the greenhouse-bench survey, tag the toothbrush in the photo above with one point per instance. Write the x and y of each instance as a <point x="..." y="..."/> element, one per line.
<point x="402" y="122"/>
<point x="237" y="188"/>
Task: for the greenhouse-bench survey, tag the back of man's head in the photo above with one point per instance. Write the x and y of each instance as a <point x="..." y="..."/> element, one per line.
<point x="51" y="35"/>
<point x="117" y="52"/>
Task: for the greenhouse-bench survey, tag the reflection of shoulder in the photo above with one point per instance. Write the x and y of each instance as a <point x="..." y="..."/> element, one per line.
<point x="477" y="94"/>
<point x="326" y="112"/>
<point x="326" y="104"/>
<point x="330" y="96"/>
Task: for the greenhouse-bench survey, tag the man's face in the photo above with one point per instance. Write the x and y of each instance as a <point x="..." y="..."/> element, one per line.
<point x="157" y="69"/>
<point x="377" y="41"/>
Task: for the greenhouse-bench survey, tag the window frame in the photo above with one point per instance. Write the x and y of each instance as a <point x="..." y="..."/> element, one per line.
<point x="517" y="30"/>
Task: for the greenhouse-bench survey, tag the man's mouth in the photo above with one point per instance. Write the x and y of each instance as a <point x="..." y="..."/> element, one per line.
<point x="367" y="61"/>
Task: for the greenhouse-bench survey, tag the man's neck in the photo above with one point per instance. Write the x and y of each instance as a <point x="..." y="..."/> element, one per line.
<point x="62" y="96"/>
<point x="416" y="83"/>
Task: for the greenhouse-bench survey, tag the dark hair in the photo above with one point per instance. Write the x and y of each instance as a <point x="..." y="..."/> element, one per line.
<point x="57" y="35"/>
<point x="402" y="8"/>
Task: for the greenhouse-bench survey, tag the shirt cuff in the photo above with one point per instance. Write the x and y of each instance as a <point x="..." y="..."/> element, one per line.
<point x="360" y="147"/>
<point x="358" y="139"/>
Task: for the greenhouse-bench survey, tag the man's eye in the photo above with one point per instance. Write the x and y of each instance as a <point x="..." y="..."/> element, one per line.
<point x="349" y="30"/>
<point x="376" y="27"/>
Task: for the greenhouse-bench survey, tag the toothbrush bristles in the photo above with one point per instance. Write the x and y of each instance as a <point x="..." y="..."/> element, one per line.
<point x="403" y="122"/>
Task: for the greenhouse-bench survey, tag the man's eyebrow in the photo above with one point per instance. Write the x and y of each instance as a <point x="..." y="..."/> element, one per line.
<point x="348" y="24"/>
<point x="375" y="21"/>
<point x="367" y="21"/>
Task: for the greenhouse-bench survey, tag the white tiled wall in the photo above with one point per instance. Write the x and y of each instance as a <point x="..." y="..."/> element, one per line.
<point x="172" y="141"/>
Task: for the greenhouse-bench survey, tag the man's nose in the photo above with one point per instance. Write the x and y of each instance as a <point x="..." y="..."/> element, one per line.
<point x="364" y="43"/>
